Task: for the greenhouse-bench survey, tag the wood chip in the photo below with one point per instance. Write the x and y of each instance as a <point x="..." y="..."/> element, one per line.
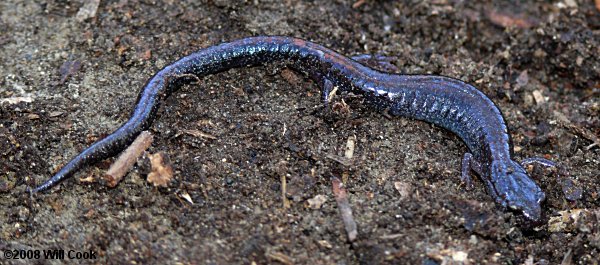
<point x="392" y="236"/>
<point x="349" y="153"/>
<point x="127" y="159"/>
<point x="68" y="69"/>
<point x="88" y="10"/>
<point x="186" y="196"/>
<point x="15" y="100"/>
<point x="344" y="207"/>
<point x="162" y="172"/>
<point x="538" y="97"/>
<point x="286" y="202"/>
<point x="325" y="244"/>
<point x="55" y="114"/>
<point x="507" y="20"/>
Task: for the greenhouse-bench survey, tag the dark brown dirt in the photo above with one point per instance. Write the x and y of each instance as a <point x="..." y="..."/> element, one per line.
<point x="537" y="61"/>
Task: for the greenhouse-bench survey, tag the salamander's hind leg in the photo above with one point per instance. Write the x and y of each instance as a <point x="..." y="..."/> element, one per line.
<point x="327" y="89"/>
<point x="379" y="62"/>
<point x="326" y="86"/>
<point x="468" y="164"/>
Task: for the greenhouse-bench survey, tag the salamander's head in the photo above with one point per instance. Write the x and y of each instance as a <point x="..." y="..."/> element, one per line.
<point x="516" y="190"/>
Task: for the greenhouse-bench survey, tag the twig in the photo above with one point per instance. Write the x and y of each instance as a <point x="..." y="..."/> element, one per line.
<point x="286" y="202"/>
<point x="200" y="134"/>
<point x="127" y="159"/>
<point x="358" y="3"/>
<point x="339" y="159"/>
<point x="280" y="257"/>
<point x="582" y="132"/>
<point x="344" y="206"/>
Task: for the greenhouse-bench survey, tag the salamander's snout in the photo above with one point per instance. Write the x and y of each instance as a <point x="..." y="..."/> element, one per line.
<point x="516" y="190"/>
<point x="531" y="209"/>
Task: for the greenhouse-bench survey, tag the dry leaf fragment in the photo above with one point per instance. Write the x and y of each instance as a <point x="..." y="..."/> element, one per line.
<point x="162" y="172"/>
<point x="316" y="202"/>
<point x="404" y="188"/>
<point x="567" y="221"/>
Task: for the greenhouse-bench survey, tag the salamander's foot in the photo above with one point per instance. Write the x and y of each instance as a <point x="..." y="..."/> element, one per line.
<point x="539" y="161"/>
<point x="328" y="91"/>
<point x="468" y="164"/>
<point x="379" y="62"/>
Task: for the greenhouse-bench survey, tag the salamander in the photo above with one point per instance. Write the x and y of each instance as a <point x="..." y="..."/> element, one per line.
<point x="443" y="101"/>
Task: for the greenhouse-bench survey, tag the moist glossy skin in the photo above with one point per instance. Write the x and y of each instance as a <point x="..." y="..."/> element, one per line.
<point x="446" y="102"/>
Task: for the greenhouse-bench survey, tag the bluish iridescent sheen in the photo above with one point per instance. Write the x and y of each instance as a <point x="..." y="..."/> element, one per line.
<point x="446" y="102"/>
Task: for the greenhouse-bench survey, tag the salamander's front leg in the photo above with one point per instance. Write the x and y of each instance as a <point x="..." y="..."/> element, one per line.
<point x="468" y="164"/>
<point x="539" y="161"/>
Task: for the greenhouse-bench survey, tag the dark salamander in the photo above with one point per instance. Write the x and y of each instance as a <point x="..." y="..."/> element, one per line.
<point x="446" y="102"/>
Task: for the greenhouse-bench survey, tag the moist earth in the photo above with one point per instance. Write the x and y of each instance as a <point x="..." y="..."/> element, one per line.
<point x="68" y="78"/>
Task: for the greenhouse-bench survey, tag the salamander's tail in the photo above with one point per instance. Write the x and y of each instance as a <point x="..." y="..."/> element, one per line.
<point x="64" y="173"/>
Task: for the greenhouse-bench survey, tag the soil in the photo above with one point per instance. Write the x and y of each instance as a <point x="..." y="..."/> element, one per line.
<point x="67" y="81"/>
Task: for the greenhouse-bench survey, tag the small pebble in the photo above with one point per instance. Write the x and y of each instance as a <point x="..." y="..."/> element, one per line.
<point x="571" y="190"/>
